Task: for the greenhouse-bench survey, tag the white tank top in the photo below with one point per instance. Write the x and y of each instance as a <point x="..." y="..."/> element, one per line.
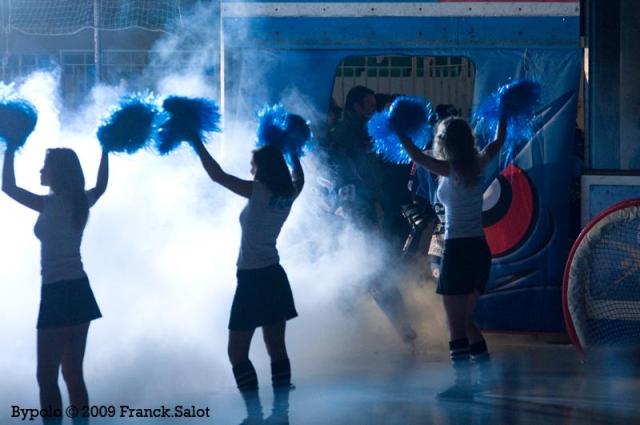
<point x="462" y="208"/>
<point x="261" y="221"/>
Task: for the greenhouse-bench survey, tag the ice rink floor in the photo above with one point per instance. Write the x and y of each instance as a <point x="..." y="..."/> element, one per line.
<point x="537" y="383"/>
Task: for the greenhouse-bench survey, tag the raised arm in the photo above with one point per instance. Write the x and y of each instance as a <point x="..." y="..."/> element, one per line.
<point x="436" y="166"/>
<point x="26" y="198"/>
<point x="217" y="174"/>
<point x="492" y="149"/>
<point x="103" y="177"/>
<point x="297" y="174"/>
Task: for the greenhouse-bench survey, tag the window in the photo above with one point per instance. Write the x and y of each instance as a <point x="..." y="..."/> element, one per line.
<point x="441" y="79"/>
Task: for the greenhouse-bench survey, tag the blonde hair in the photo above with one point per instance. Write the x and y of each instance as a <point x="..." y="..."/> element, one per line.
<point x="454" y="142"/>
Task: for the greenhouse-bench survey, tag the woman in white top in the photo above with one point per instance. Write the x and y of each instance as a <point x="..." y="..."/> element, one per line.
<point x="67" y="304"/>
<point x="466" y="259"/>
<point x="263" y="295"/>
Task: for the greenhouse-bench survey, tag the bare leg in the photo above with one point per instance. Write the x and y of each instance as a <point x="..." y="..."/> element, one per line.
<point x="275" y="341"/>
<point x="473" y="332"/>
<point x="456" y="309"/>
<point x="239" y="344"/>
<point x="72" y="360"/>
<point x="50" y="348"/>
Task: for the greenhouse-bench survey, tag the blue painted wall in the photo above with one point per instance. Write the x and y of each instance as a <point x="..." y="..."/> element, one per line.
<point x="303" y="54"/>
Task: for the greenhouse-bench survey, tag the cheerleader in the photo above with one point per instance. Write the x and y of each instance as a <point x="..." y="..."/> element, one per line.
<point x="466" y="259"/>
<point x="263" y="295"/>
<point x="67" y="304"/>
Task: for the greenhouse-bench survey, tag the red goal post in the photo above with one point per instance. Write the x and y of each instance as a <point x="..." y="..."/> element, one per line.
<point x="596" y="320"/>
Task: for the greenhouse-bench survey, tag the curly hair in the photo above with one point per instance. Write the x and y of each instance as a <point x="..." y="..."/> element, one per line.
<point x="455" y="142"/>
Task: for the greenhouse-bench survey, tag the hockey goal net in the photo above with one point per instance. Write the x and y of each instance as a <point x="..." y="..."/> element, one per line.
<point x="601" y="285"/>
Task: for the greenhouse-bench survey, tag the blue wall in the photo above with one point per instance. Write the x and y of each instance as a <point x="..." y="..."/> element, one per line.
<point x="303" y="53"/>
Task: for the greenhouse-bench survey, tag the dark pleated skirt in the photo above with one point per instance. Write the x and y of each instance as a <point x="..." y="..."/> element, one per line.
<point x="263" y="297"/>
<point x="465" y="266"/>
<point x="67" y="303"/>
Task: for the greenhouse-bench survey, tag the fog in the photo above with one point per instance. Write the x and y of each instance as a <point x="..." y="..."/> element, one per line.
<point x="160" y="250"/>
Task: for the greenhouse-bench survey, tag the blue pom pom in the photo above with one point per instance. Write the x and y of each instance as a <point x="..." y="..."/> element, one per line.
<point x="406" y="115"/>
<point x="409" y="115"/>
<point x="272" y="123"/>
<point x="288" y="132"/>
<point x="18" y="118"/>
<point x="519" y="98"/>
<point x="298" y="135"/>
<point x="188" y="119"/>
<point x="131" y="126"/>
<point x="517" y="101"/>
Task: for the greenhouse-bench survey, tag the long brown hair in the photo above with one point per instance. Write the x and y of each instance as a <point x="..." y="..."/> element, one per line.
<point x="454" y="142"/>
<point x="272" y="170"/>
<point x="67" y="180"/>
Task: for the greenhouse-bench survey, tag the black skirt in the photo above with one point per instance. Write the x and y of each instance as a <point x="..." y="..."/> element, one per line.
<point x="465" y="266"/>
<point x="67" y="303"/>
<point x="263" y="297"/>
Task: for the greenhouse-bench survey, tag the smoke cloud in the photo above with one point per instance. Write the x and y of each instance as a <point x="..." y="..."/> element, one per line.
<point x="160" y="250"/>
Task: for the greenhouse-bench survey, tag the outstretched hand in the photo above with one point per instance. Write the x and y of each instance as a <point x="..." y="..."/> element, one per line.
<point x="9" y="186"/>
<point x="407" y="144"/>
<point x="493" y="148"/>
<point x="236" y="185"/>
<point x="102" y="180"/>
<point x="434" y="165"/>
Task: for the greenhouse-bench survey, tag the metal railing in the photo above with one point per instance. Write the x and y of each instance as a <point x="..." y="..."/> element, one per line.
<point x="12" y="67"/>
<point x="78" y="71"/>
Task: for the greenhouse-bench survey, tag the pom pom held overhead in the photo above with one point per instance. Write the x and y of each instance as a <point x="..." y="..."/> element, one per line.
<point x="272" y="123"/>
<point x="408" y="116"/>
<point x="519" y="97"/>
<point x="188" y="119"/>
<point x="288" y="132"/>
<point x="297" y="135"/>
<point x="131" y="126"/>
<point x="517" y="102"/>
<point x="18" y="118"/>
